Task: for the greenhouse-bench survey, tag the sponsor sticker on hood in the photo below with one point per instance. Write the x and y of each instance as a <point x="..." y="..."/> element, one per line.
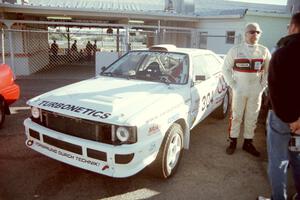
<point x="75" y="109"/>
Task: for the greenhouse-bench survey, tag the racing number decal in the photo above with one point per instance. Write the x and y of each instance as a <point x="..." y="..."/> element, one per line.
<point x="221" y="85"/>
<point x="207" y="100"/>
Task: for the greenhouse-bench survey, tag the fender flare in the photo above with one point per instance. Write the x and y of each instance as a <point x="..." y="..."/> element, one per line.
<point x="186" y="131"/>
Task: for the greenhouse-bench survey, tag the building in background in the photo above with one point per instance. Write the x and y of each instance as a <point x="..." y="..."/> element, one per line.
<point x="222" y="25"/>
<point x="293" y="6"/>
<point x="217" y="25"/>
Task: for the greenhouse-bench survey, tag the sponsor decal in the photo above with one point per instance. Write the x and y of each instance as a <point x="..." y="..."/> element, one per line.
<point x="75" y="109"/>
<point x="105" y="167"/>
<point x="67" y="155"/>
<point x="248" y="65"/>
<point x="153" y="129"/>
<point x="207" y="100"/>
<point x="222" y="86"/>
<point x="257" y="65"/>
<point x="175" y="107"/>
<point x="243" y="65"/>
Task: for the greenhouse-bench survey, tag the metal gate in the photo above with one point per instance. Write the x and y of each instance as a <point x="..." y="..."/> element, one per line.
<point x="30" y="51"/>
<point x="41" y="47"/>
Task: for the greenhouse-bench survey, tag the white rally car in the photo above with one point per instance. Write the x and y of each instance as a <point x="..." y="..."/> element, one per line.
<point x="138" y="112"/>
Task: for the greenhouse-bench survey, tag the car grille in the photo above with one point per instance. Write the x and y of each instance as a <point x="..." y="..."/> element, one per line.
<point x="63" y="145"/>
<point x="77" y="127"/>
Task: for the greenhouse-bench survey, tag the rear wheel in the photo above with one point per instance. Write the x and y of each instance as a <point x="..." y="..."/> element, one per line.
<point x="2" y="112"/>
<point x="170" y="152"/>
<point x="222" y="110"/>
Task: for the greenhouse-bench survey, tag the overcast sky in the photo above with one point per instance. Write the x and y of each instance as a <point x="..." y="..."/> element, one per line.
<point x="276" y="2"/>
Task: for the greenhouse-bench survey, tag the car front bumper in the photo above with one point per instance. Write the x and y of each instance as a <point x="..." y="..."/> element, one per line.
<point x="115" y="161"/>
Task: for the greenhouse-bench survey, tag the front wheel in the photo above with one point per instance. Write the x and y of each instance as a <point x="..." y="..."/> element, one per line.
<point x="170" y="152"/>
<point x="222" y="110"/>
<point x="2" y="112"/>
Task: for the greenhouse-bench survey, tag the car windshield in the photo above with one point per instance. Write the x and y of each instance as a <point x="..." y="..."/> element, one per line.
<point x="164" y="67"/>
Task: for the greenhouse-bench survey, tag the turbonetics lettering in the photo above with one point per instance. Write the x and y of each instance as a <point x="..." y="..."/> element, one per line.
<point x="77" y="109"/>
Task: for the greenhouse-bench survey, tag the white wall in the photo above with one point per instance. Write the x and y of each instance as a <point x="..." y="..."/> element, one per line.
<point x="216" y="30"/>
<point x="30" y="50"/>
<point x="38" y="49"/>
<point x="273" y="27"/>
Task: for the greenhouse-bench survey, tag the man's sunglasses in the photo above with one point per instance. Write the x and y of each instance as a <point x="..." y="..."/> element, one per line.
<point x="252" y="32"/>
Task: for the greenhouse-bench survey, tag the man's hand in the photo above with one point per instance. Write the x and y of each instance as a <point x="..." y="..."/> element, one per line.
<point x="295" y="127"/>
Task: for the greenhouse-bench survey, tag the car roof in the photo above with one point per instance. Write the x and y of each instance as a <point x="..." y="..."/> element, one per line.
<point x="173" y="48"/>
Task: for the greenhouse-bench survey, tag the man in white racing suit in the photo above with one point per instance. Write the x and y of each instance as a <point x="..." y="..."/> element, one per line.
<point x="245" y="71"/>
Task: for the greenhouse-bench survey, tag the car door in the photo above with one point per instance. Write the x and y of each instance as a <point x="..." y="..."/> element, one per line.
<point x="218" y="85"/>
<point x="201" y="90"/>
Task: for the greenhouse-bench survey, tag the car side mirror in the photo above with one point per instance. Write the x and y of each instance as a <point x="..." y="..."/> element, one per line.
<point x="103" y="68"/>
<point x="200" y="78"/>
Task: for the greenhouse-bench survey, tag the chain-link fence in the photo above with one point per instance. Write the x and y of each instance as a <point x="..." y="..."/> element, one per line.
<point x="183" y="38"/>
<point x="30" y="51"/>
<point x="81" y="47"/>
<point x="41" y="47"/>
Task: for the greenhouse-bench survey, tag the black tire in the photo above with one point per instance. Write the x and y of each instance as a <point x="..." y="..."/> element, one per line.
<point x="222" y="111"/>
<point x="2" y="112"/>
<point x="163" y="167"/>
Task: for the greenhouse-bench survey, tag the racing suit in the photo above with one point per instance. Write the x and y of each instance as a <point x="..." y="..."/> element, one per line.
<point x="245" y="71"/>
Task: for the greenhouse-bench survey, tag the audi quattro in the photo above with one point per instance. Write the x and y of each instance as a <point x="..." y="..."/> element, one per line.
<point x="138" y="112"/>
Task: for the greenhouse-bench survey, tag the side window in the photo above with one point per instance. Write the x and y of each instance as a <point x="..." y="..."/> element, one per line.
<point x="213" y="64"/>
<point x="128" y="63"/>
<point x="230" y="36"/>
<point x="199" y="65"/>
<point x="203" y="40"/>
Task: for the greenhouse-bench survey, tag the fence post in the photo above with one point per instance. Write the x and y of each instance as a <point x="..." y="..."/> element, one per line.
<point x="194" y="38"/>
<point x="118" y="40"/>
<point x="3" y="46"/>
<point x="12" y="54"/>
<point x="158" y="40"/>
<point x="162" y="40"/>
<point x="127" y="42"/>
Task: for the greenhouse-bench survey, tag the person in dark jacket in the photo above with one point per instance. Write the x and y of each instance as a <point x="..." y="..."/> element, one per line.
<point x="89" y="48"/>
<point x="74" y="47"/>
<point x="284" y="117"/>
<point x="54" y="48"/>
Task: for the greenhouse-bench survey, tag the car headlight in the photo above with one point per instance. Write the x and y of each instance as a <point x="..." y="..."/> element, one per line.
<point x="35" y="112"/>
<point x="124" y="135"/>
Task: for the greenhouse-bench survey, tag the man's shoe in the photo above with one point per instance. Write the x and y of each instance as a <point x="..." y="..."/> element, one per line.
<point x="262" y="198"/>
<point x="232" y="146"/>
<point x="248" y="147"/>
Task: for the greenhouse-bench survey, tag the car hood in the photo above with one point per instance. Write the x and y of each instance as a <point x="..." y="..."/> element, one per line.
<point x="104" y="99"/>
